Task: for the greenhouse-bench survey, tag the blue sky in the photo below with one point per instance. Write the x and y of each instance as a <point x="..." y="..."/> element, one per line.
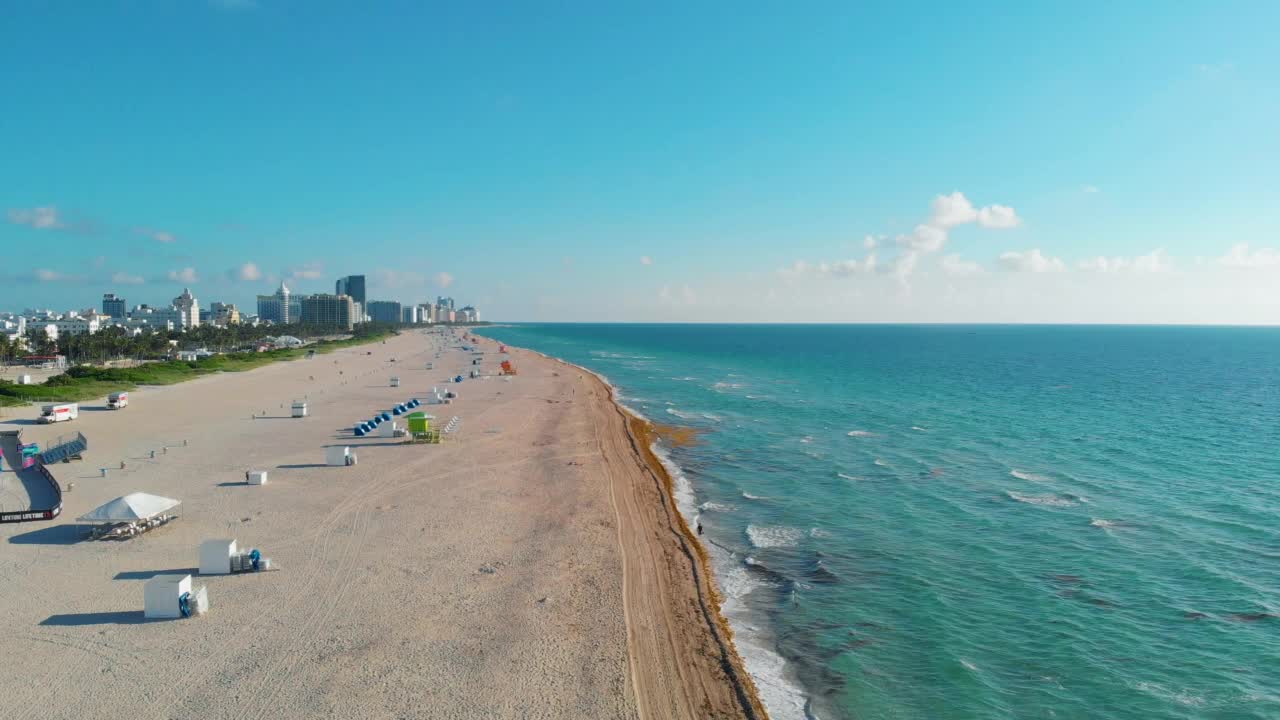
<point x="1022" y="162"/>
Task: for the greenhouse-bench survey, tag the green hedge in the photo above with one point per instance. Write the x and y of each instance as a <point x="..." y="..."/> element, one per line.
<point x="86" y="382"/>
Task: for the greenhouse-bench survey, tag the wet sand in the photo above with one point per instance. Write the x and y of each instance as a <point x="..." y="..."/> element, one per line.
<point x="532" y="567"/>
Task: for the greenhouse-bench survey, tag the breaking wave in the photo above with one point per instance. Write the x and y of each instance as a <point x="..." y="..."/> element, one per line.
<point x="1044" y="500"/>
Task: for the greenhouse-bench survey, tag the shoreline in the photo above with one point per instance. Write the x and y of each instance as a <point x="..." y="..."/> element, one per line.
<point x="641" y="435"/>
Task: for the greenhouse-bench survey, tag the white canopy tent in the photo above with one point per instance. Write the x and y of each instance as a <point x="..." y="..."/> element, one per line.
<point x="134" y="507"/>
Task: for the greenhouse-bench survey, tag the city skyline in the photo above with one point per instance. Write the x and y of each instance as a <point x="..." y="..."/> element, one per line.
<point x="677" y="164"/>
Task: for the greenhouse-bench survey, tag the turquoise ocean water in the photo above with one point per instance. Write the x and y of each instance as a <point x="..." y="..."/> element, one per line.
<point x="977" y="521"/>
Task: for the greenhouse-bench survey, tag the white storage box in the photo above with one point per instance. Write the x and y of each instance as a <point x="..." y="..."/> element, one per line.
<point x="387" y="429"/>
<point x="215" y="556"/>
<point x="257" y="477"/>
<point x="395" y="382"/>
<point x="161" y="594"/>
<point x="336" y="455"/>
<point x="299" y="409"/>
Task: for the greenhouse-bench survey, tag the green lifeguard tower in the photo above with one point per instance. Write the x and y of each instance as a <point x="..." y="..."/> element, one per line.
<point x="420" y="430"/>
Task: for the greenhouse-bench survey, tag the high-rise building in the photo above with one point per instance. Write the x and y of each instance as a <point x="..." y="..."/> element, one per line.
<point x="385" y="311"/>
<point x="113" y="306"/>
<point x="334" y="310"/>
<point x="352" y="285"/>
<point x="426" y="313"/>
<point x="468" y="314"/>
<point x="409" y="314"/>
<point x="444" y="302"/>
<point x="190" y="306"/>
<point x="224" y="314"/>
<point x="277" y="308"/>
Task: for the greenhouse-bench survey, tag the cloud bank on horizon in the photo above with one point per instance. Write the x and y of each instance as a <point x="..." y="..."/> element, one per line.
<point x="915" y="281"/>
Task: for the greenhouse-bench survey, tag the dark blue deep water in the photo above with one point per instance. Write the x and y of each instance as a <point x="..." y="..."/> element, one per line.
<point x="977" y="521"/>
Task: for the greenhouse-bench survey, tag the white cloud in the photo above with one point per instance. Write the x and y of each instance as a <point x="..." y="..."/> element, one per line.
<point x="1156" y="261"/>
<point x="680" y="296"/>
<point x="157" y="235"/>
<point x="1103" y="264"/>
<point x="904" y="265"/>
<point x="40" y="218"/>
<point x="1090" y="189"/>
<point x="945" y="213"/>
<point x="646" y="260"/>
<point x="870" y="242"/>
<point x="185" y="275"/>
<point x="398" y="279"/>
<point x="954" y="266"/>
<point x="925" y="238"/>
<point x="1032" y="261"/>
<point x="1241" y="256"/>
<point x="1217" y="69"/>
<point x="248" y="272"/>
<point x="49" y="276"/>
<point x="951" y="210"/>
<point x="998" y="217"/>
<point x="837" y="268"/>
<point x="307" y="271"/>
<point x="124" y="278"/>
<point x="444" y="279"/>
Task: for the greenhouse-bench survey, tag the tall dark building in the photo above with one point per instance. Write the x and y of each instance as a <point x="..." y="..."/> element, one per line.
<point x="352" y="285"/>
<point x="384" y="311"/>
<point x="113" y="306"/>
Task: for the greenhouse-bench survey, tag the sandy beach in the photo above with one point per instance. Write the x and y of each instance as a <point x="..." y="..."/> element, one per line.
<point x="532" y="567"/>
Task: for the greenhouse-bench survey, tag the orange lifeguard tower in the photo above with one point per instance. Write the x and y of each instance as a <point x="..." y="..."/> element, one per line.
<point x="508" y="368"/>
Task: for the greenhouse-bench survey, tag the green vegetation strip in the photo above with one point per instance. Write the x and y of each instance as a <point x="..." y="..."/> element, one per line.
<point x="85" y="382"/>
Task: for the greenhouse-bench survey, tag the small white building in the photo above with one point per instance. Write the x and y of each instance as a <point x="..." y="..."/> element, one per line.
<point x="215" y="556"/>
<point x="337" y="455"/>
<point x="164" y="595"/>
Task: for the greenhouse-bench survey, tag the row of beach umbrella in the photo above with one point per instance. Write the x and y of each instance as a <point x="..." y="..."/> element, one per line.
<point x="368" y="426"/>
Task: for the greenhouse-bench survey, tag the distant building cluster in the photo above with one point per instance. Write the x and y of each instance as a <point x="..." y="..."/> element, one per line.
<point x="343" y="310"/>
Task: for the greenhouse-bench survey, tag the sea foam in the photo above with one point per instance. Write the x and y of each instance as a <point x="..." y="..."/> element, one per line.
<point x="1045" y="500"/>
<point x="776" y="536"/>
<point x="1028" y="476"/>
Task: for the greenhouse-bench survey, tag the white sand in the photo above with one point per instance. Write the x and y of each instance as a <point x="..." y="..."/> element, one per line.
<point x="478" y="578"/>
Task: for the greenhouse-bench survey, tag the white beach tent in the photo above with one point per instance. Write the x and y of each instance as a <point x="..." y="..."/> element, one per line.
<point x="133" y="507"/>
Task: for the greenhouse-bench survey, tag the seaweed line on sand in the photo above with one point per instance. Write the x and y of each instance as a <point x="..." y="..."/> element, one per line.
<point x="641" y="434"/>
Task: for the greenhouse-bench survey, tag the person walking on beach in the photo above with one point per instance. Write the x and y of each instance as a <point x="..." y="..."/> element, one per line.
<point x="697" y="521"/>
